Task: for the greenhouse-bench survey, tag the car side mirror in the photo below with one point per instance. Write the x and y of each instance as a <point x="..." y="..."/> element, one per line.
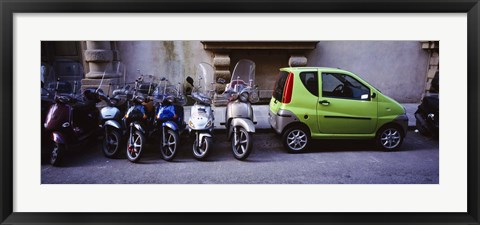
<point x="374" y="95"/>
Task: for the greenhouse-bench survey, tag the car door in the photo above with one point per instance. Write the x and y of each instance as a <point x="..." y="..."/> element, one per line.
<point x="345" y="105"/>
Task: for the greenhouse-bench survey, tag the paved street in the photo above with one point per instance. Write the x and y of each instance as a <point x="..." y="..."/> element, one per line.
<point x="328" y="162"/>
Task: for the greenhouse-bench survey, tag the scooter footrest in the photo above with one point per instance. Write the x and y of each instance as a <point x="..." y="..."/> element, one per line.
<point x="222" y="123"/>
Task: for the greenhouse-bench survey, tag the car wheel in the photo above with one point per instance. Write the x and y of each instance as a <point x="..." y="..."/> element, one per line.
<point x="296" y="139"/>
<point x="389" y="138"/>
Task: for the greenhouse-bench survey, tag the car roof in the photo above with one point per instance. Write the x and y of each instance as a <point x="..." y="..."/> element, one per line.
<point x="312" y="68"/>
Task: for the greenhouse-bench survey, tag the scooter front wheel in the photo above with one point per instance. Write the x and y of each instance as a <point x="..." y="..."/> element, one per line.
<point x="169" y="148"/>
<point x="201" y="152"/>
<point x="241" y="143"/>
<point x="135" y="146"/>
<point x="57" y="154"/>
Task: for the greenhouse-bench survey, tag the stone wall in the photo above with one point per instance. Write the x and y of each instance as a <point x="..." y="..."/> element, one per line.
<point x="174" y="60"/>
<point x="396" y="68"/>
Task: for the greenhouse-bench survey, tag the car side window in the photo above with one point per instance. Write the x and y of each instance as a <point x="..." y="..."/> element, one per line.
<point x="337" y="85"/>
<point x="310" y="81"/>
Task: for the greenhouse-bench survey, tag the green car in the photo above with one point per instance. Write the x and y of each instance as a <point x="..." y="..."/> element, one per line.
<point x="329" y="103"/>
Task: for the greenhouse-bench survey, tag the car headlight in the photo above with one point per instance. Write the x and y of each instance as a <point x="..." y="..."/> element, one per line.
<point x="191" y="124"/>
<point x="243" y="97"/>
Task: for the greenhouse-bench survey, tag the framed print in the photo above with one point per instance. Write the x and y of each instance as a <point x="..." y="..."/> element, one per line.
<point x="371" y="70"/>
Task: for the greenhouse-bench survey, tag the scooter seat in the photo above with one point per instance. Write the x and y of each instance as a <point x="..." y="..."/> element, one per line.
<point x="65" y="99"/>
<point x="202" y="98"/>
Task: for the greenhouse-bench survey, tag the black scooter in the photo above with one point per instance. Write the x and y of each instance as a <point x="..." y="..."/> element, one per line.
<point x="427" y="115"/>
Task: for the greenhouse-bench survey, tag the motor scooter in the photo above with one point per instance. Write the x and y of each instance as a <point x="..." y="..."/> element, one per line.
<point x="71" y="120"/>
<point x="138" y="118"/>
<point x="201" y="121"/>
<point x="427" y="115"/>
<point x="111" y="117"/>
<point x="239" y="120"/>
<point x="169" y="118"/>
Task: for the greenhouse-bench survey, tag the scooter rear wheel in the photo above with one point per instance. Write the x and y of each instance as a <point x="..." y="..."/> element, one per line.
<point x="241" y="143"/>
<point x="201" y="152"/>
<point x="169" y="148"/>
<point x="135" y="146"/>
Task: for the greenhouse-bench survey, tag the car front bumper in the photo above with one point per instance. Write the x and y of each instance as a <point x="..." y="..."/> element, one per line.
<point x="402" y="120"/>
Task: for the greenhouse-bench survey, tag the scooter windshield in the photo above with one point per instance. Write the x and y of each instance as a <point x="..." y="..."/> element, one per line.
<point x="63" y="77"/>
<point x="203" y="82"/>
<point x="172" y="93"/>
<point x="243" y="76"/>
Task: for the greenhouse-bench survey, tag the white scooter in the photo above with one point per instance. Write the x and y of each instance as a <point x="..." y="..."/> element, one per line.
<point x="201" y="114"/>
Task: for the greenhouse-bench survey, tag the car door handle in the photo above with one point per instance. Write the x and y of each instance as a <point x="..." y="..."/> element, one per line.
<point x="324" y="102"/>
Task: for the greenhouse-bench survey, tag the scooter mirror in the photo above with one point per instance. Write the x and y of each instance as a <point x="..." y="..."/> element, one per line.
<point x="190" y="80"/>
<point x="221" y="80"/>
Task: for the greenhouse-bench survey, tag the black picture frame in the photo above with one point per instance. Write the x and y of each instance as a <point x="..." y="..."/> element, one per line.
<point x="9" y="7"/>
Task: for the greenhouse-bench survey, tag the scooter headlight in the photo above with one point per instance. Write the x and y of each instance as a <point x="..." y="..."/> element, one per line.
<point x="243" y="97"/>
<point x="233" y="97"/>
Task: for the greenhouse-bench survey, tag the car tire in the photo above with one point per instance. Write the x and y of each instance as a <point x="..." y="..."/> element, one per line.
<point x="296" y="139"/>
<point x="389" y="138"/>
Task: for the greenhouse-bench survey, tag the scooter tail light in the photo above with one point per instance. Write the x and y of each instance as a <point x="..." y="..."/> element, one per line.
<point x="287" y="92"/>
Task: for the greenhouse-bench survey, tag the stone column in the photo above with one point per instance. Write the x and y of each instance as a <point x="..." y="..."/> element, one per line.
<point x="297" y="61"/>
<point x="221" y="62"/>
<point x="433" y="65"/>
<point x="100" y="58"/>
